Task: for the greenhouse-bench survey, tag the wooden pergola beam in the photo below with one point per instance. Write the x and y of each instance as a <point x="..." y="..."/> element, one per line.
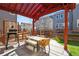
<point x="40" y="6"/>
<point x="33" y="9"/>
<point x="28" y="9"/>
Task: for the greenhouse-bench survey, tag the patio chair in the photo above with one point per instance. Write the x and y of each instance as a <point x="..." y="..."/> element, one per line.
<point x="43" y="43"/>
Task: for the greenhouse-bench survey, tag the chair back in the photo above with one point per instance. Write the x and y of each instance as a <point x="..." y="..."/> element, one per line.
<point x="44" y="42"/>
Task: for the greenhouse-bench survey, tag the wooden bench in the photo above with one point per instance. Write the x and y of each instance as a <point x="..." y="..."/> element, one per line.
<point x="31" y="43"/>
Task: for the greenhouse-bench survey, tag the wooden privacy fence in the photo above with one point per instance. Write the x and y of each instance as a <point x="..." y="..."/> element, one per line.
<point x="3" y="38"/>
<point x="71" y="36"/>
<point x="46" y="33"/>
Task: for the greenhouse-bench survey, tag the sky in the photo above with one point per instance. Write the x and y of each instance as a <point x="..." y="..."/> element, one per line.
<point x="23" y="19"/>
<point x="29" y="20"/>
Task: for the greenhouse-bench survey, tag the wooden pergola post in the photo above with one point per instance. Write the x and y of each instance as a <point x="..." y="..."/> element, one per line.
<point x="33" y="30"/>
<point x="66" y="28"/>
<point x="3" y="34"/>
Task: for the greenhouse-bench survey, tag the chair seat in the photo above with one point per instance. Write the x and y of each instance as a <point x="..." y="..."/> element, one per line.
<point x="31" y="42"/>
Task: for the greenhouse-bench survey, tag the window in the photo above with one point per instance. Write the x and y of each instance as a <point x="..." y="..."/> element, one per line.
<point x="59" y="25"/>
<point x="78" y="23"/>
<point x="57" y="16"/>
<point x="61" y="15"/>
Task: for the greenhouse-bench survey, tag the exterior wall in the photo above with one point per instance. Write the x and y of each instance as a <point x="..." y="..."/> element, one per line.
<point x="70" y="20"/>
<point x="58" y="22"/>
<point x="57" y="19"/>
<point x="50" y="22"/>
<point x="75" y="16"/>
<point x="44" y="23"/>
<point x="6" y="16"/>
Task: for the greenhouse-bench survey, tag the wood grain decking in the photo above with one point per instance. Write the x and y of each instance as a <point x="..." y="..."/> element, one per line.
<point x="23" y="50"/>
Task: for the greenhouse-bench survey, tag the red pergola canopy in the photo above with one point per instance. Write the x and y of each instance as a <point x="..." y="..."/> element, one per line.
<point x="34" y="10"/>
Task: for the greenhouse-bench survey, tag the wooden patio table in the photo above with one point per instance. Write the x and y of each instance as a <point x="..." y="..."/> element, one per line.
<point x="36" y="39"/>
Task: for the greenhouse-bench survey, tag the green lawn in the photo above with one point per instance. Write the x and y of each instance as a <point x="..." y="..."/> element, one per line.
<point x="73" y="46"/>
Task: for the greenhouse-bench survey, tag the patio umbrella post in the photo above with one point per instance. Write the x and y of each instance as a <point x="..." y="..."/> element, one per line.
<point x="66" y="28"/>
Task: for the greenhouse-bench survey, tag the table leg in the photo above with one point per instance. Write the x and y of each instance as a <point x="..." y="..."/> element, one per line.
<point x="7" y="42"/>
<point x="49" y="49"/>
<point x="38" y="48"/>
